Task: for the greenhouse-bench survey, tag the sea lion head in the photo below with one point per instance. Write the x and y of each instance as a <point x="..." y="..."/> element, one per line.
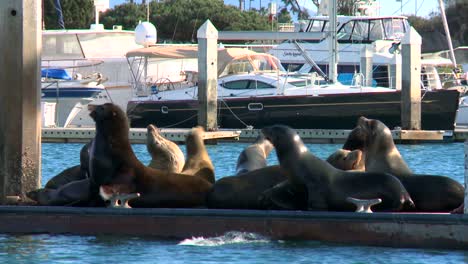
<point x="285" y="140"/>
<point x="265" y="144"/>
<point x="153" y="139"/>
<point x="356" y="139"/>
<point x="194" y="140"/>
<point x="375" y="133"/>
<point x="110" y="117"/>
<point x="347" y="160"/>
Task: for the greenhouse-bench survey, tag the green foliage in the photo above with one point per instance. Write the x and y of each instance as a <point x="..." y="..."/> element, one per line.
<point x="179" y="20"/>
<point x="76" y="14"/>
<point x="127" y="15"/>
<point x="284" y="16"/>
<point x="456" y="19"/>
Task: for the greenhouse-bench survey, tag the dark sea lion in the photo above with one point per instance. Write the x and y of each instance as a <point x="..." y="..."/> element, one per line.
<point x="245" y="191"/>
<point x="347" y="160"/>
<point x="113" y="163"/>
<point x="254" y="156"/>
<point x="198" y="162"/>
<point x="76" y="193"/>
<point x="165" y="154"/>
<point x="430" y="193"/>
<point x="328" y="187"/>
<point x="286" y="196"/>
<point x="74" y="173"/>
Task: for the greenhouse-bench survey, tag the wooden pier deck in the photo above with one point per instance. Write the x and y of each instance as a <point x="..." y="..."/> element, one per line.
<point x="138" y="135"/>
<point x="441" y="231"/>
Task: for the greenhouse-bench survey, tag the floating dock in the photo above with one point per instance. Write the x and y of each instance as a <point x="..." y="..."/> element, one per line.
<point x="138" y="135"/>
<point x="438" y="231"/>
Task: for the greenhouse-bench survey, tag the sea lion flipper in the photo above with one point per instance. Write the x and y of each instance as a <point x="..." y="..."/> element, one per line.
<point x="284" y="196"/>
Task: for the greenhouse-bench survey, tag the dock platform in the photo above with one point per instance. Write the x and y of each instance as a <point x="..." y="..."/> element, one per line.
<point x="138" y="135"/>
<point x="440" y="231"/>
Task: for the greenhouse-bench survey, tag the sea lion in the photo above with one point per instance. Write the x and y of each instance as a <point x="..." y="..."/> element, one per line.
<point x="262" y="187"/>
<point x="254" y="156"/>
<point x="76" y="193"/>
<point x="245" y="191"/>
<point x="113" y="163"/>
<point x="165" y="154"/>
<point x="347" y="160"/>
<point x="198" y="162"/>
<point x="328" y="187"/>
<point x="74" y="173"/>
<point x="430" y="193"/>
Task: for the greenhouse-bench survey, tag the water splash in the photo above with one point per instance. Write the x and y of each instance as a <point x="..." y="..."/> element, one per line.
<point x="232" y="237"/>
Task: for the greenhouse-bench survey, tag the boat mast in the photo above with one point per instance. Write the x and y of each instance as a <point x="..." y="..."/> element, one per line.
<point x="333" y="44"/>
<point x="447" y="33"/>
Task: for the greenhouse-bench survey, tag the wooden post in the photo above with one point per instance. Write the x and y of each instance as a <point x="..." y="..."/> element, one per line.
<point x="207" y="36"/>
<point x="411" y="81"/>
<point x="395" y="72"/>
<point x="465" y="209"/>
<point x="20" y="95"/>
<point x="366" y="64"/>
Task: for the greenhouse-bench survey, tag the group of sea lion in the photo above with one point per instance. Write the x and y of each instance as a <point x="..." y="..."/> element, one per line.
<point x="368" y="167"/>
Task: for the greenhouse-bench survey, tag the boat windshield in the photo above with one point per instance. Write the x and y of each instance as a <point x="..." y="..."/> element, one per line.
<point x="252" y="63"/>
<point x="369" y="30"/>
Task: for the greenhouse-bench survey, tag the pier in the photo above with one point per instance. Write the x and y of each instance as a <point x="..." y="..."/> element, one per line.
<point x="138" y="135"/>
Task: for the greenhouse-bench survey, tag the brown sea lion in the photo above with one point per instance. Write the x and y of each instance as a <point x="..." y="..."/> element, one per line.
<point x="198" y="162"/>
<point x="112" y="151"/>
<point x="327" y="187"/>
<point x="113" y="164"/>
<point x="347" y="160"/>
<point x="254" y="156"/>
<point x="430" y="193"/>
<point x="165" y="154"/>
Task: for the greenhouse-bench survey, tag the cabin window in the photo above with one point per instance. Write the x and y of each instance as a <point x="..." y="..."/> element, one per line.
<point x="376" y="30"/>
<point x="317" y="26"/>
<point x="242" y="84"/>
<point x="259" y="85"/>
<point x="395" y="28"/>
<point x="247" y="84"/>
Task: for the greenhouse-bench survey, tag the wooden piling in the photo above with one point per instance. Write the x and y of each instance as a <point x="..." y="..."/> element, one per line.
<point x="411" y="81"/>
<point x="20" y="97"/>
<point x="465" y="209"/>
<point x="207" y="76"/>
<point x="366" y="64"/>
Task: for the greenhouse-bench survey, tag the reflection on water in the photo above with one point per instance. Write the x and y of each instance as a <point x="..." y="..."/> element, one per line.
<point x="106" y="249"/>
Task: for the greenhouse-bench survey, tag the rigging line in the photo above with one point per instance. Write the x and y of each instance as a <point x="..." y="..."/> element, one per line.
<point x="407" y="2"/>
<point x="417" y="10"/>
<point x="183" y="121"/>
<point x="228" y="108"/>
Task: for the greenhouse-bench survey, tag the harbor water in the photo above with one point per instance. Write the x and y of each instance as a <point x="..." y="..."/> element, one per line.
<point x="232" y="247"/>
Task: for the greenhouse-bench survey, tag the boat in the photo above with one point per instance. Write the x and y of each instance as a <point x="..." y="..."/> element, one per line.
<point x="89" y="52"/>
<point x="382" y="34"/>
<point x="255" y="91"/>
<point x="64" y="96"/>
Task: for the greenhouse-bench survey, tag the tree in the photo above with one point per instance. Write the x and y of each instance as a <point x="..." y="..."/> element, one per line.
<point x="76" y="13"/>
<point x="127" y="15"/>
<point x="179" y="20"/>
<point x="284" y="16"/>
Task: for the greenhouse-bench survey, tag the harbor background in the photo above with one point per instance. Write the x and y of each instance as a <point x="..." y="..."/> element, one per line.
<point x="444" y="158"/>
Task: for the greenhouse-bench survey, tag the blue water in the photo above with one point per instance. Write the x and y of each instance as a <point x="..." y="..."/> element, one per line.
<point x="443" y="159"/>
